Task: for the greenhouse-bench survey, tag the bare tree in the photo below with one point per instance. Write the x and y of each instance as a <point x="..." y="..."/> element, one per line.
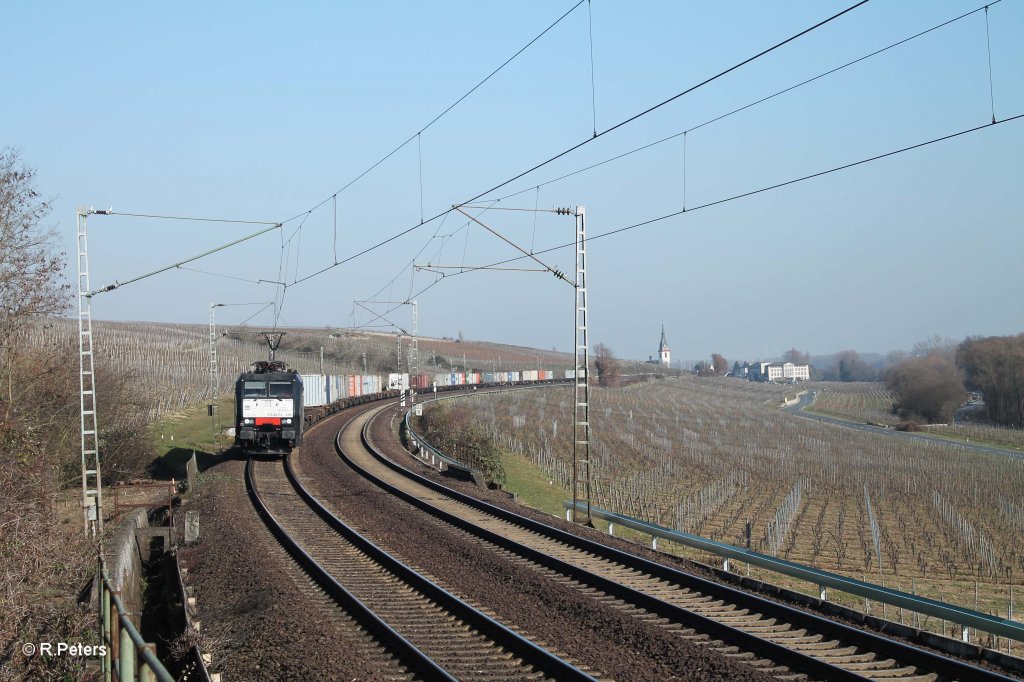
<point x="995" y="367"/>
<point x="926" y="387"/>
<point x="719" y="364"/>
<point x="31" y="269"/>
<point x="796" y="357"/>
<point x="606" y="364"/>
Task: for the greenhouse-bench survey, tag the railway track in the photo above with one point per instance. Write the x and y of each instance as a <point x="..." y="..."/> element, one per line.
<point x="772" y="637"/>
<point x="433" y="634"/>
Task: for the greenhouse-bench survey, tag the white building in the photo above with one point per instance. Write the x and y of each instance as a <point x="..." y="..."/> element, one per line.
<point x="779" y="372"/>
<point x="664" y="354"/>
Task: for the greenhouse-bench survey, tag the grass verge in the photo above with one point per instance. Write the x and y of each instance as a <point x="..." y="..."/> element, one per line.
<point x="177" y="436"/>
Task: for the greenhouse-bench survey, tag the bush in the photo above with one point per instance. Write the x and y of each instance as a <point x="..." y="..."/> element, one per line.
<point x="450" y="428"/>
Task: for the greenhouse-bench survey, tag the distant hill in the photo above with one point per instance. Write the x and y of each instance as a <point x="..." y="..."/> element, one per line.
<point x="174" y="359"/>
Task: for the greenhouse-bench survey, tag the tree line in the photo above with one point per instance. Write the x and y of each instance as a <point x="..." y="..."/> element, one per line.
<point x="933" y="381"/>
<point x="994" y="366"/>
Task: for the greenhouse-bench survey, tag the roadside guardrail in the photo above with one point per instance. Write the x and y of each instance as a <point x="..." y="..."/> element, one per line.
<point x="963" y="617"/>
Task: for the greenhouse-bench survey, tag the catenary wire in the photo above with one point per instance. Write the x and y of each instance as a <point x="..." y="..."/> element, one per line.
<point x="742" y="195"/>
<point x="746" y="106"/>
<point x="580" y="144"/>
<point x="443" y="113"/>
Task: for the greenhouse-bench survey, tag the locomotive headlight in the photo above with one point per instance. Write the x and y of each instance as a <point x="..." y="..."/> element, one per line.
<point x="247" y="420"/>
<point x="286" y="421"/>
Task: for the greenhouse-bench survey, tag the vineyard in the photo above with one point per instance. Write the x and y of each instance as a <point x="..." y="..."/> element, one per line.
<point x="173" y="360"/>
<point x="867" y="402"/>
<point x="872" y="403"/>
<point x="709" y="456"/>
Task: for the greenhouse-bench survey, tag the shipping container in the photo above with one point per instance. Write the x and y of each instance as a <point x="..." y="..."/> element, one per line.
<point x="313" y="393"/>
<point x="488" y="377"/>
<point x="355" y="385"/>
<point x="473" y="378"/>
<point x="421" y="381"/>
<point x="442" y="379"/>
<point x="398" y="382"/>
<point x="337" y="387"/>
<point x="513" y="376"/>
<point x="371" y="384"/>
<point x="530" y="375"/>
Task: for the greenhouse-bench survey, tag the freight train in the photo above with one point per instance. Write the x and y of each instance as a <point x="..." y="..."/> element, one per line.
<point x="268" y="409"/>
<point x="322" y="389"/>
<point x="273" y="404"/>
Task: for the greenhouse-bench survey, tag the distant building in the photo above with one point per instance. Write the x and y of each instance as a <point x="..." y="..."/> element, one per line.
<point x="664" y="354"/>
<point x="778" y="372"/>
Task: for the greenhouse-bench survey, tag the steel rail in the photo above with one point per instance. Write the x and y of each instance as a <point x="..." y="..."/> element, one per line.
<point x="906" y="653"/>
<point x="391" y="638"/>
<point x="962" y="616"/>
<point x="512" y="641"/>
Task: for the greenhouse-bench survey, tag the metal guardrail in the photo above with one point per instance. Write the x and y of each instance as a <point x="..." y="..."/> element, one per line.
<point x="434" y="452"/>
<point x="964" y="617"/>
<point x="127" y="656"/>
<point x="437" y="454"/>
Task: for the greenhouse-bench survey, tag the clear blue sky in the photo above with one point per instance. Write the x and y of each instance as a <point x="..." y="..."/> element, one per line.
<point x="259" y="111"/>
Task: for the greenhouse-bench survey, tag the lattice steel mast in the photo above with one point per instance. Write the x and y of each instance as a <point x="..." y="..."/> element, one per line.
<point x="414" y="352"/>
<point x="92" y="482"/>
<point x="581" y="382"/>
<point x="214" y="372"/>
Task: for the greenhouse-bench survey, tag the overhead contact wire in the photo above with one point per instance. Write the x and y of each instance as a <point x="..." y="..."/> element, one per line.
<point x="750" y="193"/>
<point x="449" y="108"/>
<point x="751" y="104"/>
<point x="593" y="88"/>
<point x="991" y="90"/>
<point x="584" y="142"/>
<point x="672" y="99"/>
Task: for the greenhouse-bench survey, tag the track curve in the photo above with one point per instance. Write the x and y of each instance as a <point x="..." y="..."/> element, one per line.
<point x="771" y="637"/>
<point x="438" y="636"/>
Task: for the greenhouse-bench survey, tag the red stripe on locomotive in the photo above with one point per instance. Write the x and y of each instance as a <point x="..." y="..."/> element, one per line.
<point x="268" y="421"/>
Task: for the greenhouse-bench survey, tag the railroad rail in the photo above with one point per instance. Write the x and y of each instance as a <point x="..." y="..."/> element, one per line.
<point x="774" y="637"/>
<point x="437" y="635"/>
<point x="964" y="617"/>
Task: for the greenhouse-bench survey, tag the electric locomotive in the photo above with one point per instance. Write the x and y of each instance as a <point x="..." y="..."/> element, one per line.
<point x="268" y="409"/>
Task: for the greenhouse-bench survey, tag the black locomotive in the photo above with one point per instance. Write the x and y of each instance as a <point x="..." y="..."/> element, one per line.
<point x="268" y="409"/>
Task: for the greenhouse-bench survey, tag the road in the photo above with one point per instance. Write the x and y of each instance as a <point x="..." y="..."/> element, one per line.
<point x="808" y="398"/>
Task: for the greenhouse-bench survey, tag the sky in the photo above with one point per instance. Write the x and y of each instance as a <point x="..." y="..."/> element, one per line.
<point x="262" y="112"/>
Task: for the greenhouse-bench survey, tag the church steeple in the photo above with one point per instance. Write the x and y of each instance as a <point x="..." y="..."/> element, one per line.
<point x="664" y="354"/>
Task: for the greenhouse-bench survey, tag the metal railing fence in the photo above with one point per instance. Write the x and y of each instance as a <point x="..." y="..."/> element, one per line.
<point x="127" y="656"/>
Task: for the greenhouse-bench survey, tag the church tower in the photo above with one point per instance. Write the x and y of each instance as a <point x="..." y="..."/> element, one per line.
<point x="663" y="351"/>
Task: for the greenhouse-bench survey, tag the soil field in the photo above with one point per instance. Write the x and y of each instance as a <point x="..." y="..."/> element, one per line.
<point x="711" y="456"/>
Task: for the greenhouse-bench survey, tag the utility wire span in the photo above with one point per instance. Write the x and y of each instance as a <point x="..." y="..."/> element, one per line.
<point x="381" y="316"/>
<point x="570" y="149"/>
<point x="734" y="197"/>
<point x="118" y="285"/>
<point x="222" y="275"/>
<point x="554" y="271"/>
<point x="189" y="218"/>
<point x="442" y="114"/>
<point x="671" y="99"/>
<point x="747" y="106"/>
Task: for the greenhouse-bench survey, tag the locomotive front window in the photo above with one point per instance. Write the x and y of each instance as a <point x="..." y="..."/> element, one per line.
<point x="280" y="389"/>
<point x="255" y="389"/>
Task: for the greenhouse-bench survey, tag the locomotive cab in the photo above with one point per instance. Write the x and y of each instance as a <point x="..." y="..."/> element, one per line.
<point x="268" y="409"/>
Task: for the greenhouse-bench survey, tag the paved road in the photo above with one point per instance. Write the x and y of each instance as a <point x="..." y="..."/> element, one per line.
<point x="808" y="398"/>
